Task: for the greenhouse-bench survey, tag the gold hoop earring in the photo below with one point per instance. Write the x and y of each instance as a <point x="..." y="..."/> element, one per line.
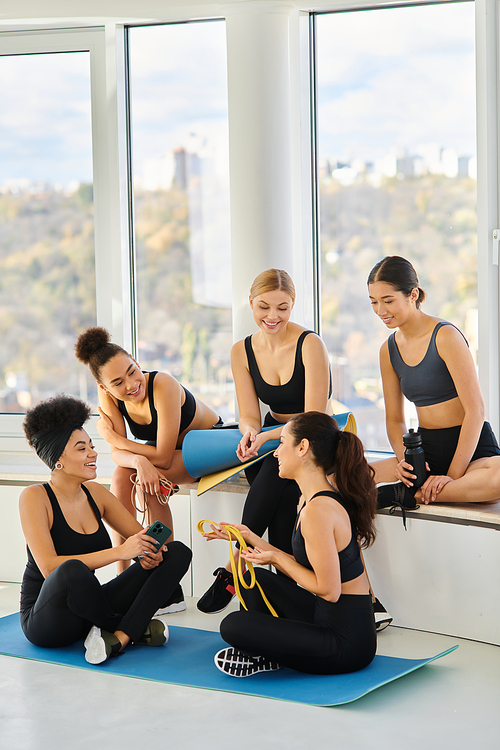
<point x="58" y="465"/>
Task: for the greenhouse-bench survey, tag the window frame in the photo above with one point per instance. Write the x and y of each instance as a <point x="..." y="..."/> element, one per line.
<point x="112" y="179"/>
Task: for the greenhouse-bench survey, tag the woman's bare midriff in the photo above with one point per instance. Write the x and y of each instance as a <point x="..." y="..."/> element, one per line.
<point x="441" y="416"/>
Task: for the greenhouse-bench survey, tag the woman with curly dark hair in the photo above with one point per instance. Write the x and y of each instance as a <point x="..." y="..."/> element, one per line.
<point x="157" y="410"/>
<point x="62" y="521"/>
<point x="325" y="623"/>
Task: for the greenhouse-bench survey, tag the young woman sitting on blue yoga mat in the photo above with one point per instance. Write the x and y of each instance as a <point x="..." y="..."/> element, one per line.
<point x="158" y="410"/>
<point x="428" y="360"/>
<point x="286" y="367"/>
<point x="325" y="619"/>
<point x="62" y="521"/>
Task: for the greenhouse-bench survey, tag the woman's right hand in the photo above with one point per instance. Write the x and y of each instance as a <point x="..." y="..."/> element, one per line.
<point x="404" y="473"/>
<point x="246" y="447"/>
<point x="137" y="545"/>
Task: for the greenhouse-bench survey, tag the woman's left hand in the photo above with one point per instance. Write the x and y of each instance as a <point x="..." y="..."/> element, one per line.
<point x="153" y="559"/>
<point x="432" y="487"/>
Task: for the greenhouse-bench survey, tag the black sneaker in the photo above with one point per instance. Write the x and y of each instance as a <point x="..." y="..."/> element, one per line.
<point x="381" y="616"/>
<point x="396" y="496"/>
<point x="175" y="603"/>
<point x="100" y="645"/>
<point x="220" y="593"/>
<point x="236" y="664"/>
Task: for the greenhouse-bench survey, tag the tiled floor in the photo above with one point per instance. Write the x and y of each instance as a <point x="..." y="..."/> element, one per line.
<point x="453" y="703"/>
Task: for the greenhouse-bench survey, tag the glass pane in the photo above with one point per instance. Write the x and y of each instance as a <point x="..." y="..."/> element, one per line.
<point x="397" y="174"/>
<point x="181" y="206"/>
<point x="47" y="278"/>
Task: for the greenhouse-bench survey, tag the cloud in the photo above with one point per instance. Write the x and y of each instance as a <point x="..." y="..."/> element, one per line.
<point x="373" y="94"/>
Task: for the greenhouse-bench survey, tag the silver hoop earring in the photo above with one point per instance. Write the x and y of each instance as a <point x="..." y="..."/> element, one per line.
<point x="58" y="465"/>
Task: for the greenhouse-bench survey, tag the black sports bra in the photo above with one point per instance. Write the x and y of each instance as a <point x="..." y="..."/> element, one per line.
<point x="149" y="431"/>
<point x="351" y="564"/>
<point x="67" y="541"/>
<point x="288" y="398"/>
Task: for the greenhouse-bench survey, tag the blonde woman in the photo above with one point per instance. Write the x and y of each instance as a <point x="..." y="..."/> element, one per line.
<point x="286" y="367"/>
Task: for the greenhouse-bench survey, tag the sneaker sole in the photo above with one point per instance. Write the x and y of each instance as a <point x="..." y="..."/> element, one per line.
<point x="382" y="624"/>
<point x="95" y="647"/>
<point x="171" y="609"/>
<point x="235" y="664"/>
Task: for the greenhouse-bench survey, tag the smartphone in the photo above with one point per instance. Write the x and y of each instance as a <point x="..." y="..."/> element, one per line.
<point x="159" y="532"/>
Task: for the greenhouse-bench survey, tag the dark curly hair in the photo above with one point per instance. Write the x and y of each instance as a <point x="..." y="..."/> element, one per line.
<point x="49" y="425"/>
<point x="95" y="348"/>
<point x="343" y="453"/>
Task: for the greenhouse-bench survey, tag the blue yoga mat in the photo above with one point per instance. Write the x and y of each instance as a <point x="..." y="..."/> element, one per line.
<point x="188" y="659"/>
<point x="209" y="451"/>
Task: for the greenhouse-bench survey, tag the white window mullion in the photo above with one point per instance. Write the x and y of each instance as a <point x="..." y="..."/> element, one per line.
<point x="109" y="135"/>
<point x="487" y="79"/>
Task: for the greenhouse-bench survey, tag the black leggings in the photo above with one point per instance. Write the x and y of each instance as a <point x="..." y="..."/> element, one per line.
<point x="71" y="599"/>
<point x="310" y="635"/>
<point x="271" y="502"/>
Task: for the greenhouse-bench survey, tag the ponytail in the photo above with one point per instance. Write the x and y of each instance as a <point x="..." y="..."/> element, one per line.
<point x="354" y="480"/>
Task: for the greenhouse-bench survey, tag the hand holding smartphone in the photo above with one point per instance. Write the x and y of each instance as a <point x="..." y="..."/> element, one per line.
<point x="159" y="532"/>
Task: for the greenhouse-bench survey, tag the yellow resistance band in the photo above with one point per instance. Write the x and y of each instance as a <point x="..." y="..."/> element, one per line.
<point x="235" y="535"/>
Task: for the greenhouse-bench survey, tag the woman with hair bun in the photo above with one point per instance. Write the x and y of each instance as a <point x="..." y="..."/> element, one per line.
<point x="62" y="521"/>
<point x="428" y="360"/>
<point x="286" y="367"/>
<point x="325" y="623"/>
<point x="157" y="409"/>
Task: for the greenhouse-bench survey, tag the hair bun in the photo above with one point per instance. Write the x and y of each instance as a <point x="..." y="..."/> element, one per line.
<point x="89" y="341"/>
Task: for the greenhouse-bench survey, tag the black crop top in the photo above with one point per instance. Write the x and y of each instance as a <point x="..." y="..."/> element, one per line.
<point x="67" y="541"/>
<point x="429" y="382"/>
<point x="351" y="564"/>
<point x="288" y="398"/>
<point x="149" y="431"/>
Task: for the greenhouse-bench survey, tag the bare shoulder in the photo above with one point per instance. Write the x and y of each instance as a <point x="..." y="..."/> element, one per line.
<point x="313" y="344"/>
<point x="165" y="381"/>
<point x="238" y="353"/>
<point x="450" y="339"/>
<point x="321" y="506"/>
<point x="33" y="494"/>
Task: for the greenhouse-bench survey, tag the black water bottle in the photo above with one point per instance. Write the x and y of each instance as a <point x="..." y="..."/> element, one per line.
<point x="415" y="456"/>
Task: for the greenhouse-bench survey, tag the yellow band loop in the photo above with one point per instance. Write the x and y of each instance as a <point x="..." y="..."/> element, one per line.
<point x="236" y="536"/>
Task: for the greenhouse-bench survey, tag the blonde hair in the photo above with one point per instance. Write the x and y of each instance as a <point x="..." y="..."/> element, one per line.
<point x="274" y="279"/>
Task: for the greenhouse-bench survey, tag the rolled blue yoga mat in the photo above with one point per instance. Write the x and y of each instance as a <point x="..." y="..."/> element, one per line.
<point x="208" y="451"/>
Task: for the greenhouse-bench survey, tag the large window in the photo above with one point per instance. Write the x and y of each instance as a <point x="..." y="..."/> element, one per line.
<point x="47" y="278"/>
<point x="397" y="176"/>
<point x="181" y="205"/>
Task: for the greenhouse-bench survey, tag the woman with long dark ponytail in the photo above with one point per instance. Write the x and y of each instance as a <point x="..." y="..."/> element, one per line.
<point x="325" y="623"/>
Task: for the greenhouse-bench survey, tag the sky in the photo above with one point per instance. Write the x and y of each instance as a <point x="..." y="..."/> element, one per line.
<point x="399" y="77"/>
